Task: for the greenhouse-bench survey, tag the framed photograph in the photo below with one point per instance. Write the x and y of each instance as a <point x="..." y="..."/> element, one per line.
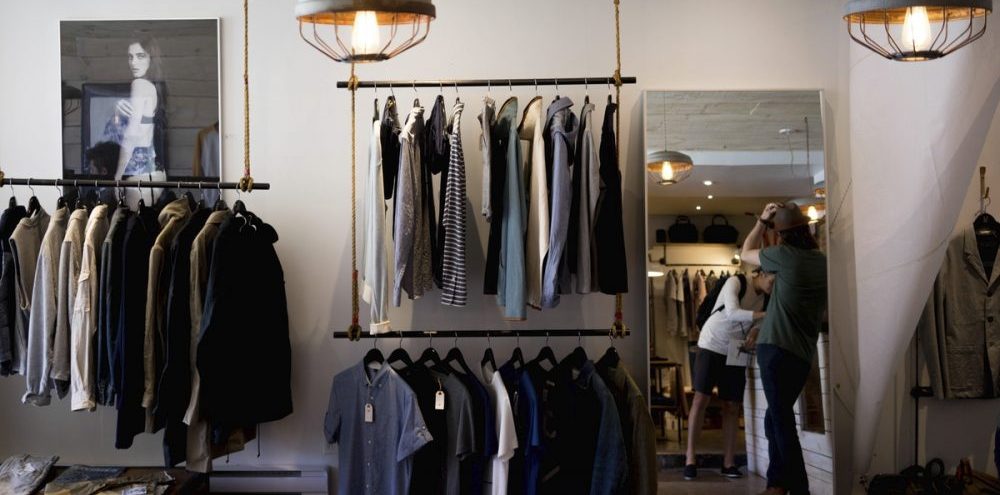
<point x="141" y="99"/>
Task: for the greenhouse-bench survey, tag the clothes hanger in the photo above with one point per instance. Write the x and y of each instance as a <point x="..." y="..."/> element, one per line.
<point x="455" y="356"/>
<point x="611" y="357"/>
<point x="13" y="198"/>
<point x="576" y="359"/>
<point x="488" y="356"/>
<point x="431" y="357"/>
<point x="586" y="89"/>
<point x="373" y="356"/>
<point x="61" y="202"/>
<point x="201" y="192"/>
<point x="416" y="99"/>
<point x="546" y="355"/>
<point x="517" y="358"/>
<point x="400" y="356"/>
<point x="121" y="195"/>
<point x="458" y="98"/>
<point x="220" y="204"/>
<point x="375" y="117"/>
<point x="33" y="204"/>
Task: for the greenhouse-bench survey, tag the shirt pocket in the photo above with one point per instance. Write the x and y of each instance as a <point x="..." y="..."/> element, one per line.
<point x="965" y="370"/>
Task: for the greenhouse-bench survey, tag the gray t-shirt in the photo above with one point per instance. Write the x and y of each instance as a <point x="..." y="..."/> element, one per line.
<point x="461" y="430"/>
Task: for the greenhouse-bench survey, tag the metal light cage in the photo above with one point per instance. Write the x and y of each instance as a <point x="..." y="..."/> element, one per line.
<point x="879" y="25"/>
<point x="401" y="24"/>
<point x="680" y="164"/>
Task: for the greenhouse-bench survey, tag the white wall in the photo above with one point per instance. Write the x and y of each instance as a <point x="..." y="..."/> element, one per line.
<point x="300" y="144"/>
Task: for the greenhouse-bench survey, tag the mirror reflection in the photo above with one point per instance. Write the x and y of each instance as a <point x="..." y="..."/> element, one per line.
<point x="736" y="231"/>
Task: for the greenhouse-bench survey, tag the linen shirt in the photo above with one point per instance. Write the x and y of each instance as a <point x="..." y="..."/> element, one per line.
<point x="376" y="457"/>
<point x="798" y="300"/>
<point x="523" y="468"/>
<point x="586" y="186"/>
<point x="537" y="245"/>
<point x="42" y="319"/>
<point x="376" y="269"/>
<point x="486" y="122"/>
<point x="71" y="253"/>
<point x="511" y="280"/>
<point x="561" y="126"/>
<point x="506" y="435"/>
<point x="83" y="324"/>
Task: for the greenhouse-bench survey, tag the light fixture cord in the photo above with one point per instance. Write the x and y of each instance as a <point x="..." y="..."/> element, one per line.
<point x="246" y="182"/>
<point x="354" y="331"/>
<point x="618" y="328"/>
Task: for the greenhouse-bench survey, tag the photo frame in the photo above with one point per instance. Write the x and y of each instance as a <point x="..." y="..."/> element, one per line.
<point x="149" y="99"/>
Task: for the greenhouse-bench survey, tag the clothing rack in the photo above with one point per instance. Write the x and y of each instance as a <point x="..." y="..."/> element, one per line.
<point x="417" y="334"/>
<point x="478" y="83"/>
<point x="701" y="265"/>
<point x="160" y="184"/>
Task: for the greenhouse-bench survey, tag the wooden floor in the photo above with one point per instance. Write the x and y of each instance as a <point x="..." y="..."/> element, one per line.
<point x="709" y="482"/>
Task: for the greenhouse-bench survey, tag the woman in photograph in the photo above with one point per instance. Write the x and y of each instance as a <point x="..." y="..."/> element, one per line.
<point x="787" y="342"/>
<point x="739" y="306"/>
<point x="134" y="123"/>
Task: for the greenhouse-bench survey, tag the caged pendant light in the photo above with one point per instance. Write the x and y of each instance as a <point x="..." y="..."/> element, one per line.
<point x="667" y="166"/>
<point x="916" y="30"/>
<point x="359" y="31"/>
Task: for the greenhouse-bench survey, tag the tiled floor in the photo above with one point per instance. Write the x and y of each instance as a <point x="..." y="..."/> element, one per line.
<point x="709" y="482"/>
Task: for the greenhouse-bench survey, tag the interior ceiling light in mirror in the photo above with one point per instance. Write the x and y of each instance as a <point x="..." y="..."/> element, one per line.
<point x="711" y="197"/>
<point x="708" y="183"/>
<point x="670" y="167"/>
<point x="356" y="31"/>
<point x="698" y="208"/>
<point x="916" y="30"/>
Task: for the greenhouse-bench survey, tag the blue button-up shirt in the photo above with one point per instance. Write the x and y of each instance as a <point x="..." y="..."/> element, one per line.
<point x="375" y="457"/>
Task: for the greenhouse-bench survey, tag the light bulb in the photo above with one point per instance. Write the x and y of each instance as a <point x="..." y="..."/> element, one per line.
<point x="365" y="37"/>
<point x="654" y="273"/>
<point x="708" y="183"/>
<point x="916" y="30"/>
<point x="813" y="214"/>
<point x="667" y="172"/>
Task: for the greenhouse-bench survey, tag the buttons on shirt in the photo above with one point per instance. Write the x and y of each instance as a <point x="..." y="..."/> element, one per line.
<point x="989" y="319"/>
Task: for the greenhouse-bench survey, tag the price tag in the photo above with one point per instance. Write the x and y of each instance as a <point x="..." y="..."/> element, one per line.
<point x="439" y="400"/>
<point x="369" y="413"/>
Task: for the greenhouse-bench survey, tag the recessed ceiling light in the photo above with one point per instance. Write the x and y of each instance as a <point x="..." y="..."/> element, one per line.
<point x="708" y="183"/>
<point x="711" y="196"/>
<point x="697" y="208"/>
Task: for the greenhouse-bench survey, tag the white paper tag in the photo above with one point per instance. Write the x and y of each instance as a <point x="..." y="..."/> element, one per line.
<point x="369" y="413"/>
<point x="736" y="356"/>
<point x="439" y="400"/>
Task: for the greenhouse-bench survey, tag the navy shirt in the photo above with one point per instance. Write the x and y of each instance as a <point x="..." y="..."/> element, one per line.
<point x="376" y="456"/>
<point x="522" y="476"/>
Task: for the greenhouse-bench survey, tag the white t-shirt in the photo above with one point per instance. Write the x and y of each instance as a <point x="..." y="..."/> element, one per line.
<point x="735" y="320"/>
<point x="498" y="466"/>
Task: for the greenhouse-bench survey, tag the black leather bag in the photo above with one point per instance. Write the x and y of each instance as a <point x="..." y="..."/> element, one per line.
<point x="721" y="233"/>
<point x="683" y="231"/>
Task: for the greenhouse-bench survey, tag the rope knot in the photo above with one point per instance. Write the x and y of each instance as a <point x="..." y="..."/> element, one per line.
<point x="1" y="178"/>
<point x="353" y="83"/>
<point x="618" y="77"/>
<point x="246" y="183"/>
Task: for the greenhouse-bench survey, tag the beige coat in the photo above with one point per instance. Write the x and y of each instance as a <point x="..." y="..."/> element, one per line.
<point x="199" y="454"/>
<point x="537" y="246"/>
<point x="71" y="251"/>
<point x="172" y="220"/>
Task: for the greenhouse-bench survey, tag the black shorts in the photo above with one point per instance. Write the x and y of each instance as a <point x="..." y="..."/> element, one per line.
<point x="710" y="371"/>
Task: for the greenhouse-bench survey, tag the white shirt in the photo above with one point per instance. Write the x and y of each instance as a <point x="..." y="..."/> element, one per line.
<point x="735" y="319"/>
<point x="499" y="464"/>
<point x="376" y="268"/>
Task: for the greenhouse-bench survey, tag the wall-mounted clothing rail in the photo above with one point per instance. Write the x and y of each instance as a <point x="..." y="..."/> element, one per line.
<point x="160" y="184"/>
<point x="483" y="83"/>
<point x="706" y="265"/>
<point x="417" y="334"/>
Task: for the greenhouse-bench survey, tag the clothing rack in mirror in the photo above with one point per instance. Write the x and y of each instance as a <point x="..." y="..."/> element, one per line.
<point x="701" y="265"/>
<point x="158" y="184"/>
<point x="459" y="334"/>
<point x="484" y="83"/>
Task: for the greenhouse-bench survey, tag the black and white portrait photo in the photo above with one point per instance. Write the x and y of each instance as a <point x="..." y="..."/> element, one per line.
<point x="141" y="99"/>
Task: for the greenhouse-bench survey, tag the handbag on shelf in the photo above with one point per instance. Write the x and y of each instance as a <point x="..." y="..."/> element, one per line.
<point x="720" y="233"/>
<point x="683" y="231"/>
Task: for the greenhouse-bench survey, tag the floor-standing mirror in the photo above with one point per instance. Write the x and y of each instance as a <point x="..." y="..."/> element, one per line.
<point x="715" y="159"/>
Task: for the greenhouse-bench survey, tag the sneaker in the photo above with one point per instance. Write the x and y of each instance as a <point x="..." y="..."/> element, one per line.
<point x="732" y="472"/>
<point x="690" y="472"/>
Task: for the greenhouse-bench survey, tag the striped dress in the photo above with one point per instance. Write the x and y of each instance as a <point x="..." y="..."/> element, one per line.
<point x="453" y="283"/>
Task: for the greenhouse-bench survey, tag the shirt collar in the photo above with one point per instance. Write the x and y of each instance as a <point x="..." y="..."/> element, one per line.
<point x="373" y="380"/>
<point x="586" y="372"/>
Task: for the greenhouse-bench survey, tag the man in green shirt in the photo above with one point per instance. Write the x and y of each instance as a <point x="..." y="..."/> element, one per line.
<point x="787" y="342"/>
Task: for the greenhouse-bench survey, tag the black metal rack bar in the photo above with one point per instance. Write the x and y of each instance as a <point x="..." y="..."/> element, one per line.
<point x="161" y="184"/>
<point x="482" y="83"/>
<point x="706" y="265"/>
<point x="421" y="334"/>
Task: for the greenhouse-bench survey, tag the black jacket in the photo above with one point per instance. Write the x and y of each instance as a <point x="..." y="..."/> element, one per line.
<point x="609" y="232"/>
<point x="109" y="295"/>
<point x="174" y="391"/>
<point x="244" y="355"/>
<point x="141" y="233"/>
<point x="499" y="135"/>
<point x="8" y="222"/>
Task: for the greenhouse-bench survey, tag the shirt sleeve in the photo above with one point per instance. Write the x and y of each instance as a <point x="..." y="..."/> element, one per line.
<point x="413" y="434"/>
<point x="770" y="259"/>
<point x="506" y="433"/>
<point x="730" y="297"/>
<point x="466" y="439"/>
<point x="331" y="425"/>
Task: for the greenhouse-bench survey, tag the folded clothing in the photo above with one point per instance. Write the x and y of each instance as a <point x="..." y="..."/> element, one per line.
<point x="23" y="474"/>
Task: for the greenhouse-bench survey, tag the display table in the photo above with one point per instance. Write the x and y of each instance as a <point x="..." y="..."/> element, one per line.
<point x="185" y="482"/>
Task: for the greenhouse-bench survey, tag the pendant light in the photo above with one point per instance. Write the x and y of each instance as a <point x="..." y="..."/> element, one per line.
<point x="916" y="30"/>
<point x="358" y="31"/>
<point x="668" y="167"/>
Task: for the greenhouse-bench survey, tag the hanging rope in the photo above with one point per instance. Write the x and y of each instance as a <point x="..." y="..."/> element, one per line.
<point x="618" y="328"/>
<point x="246" y="182"/>
<point x="354" y="332"/>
